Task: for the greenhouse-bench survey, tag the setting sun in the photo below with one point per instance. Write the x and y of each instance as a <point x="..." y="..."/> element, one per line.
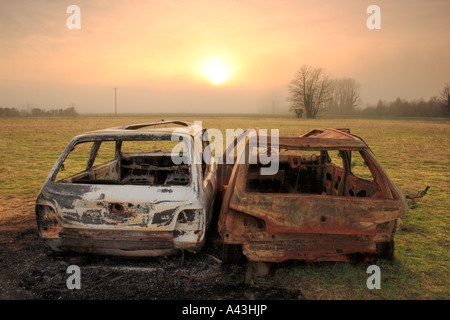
<point x="216" y="70"/>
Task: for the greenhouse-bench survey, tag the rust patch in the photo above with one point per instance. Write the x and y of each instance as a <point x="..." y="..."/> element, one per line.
<point x="315" y="207"/>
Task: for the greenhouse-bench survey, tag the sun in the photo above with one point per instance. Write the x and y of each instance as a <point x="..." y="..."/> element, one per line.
<point x="217" y="74"/>
<point x="216" y="70"/>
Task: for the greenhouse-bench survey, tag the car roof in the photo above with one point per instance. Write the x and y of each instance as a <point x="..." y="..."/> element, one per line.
<point x="330" y="138"/>
<point x="322" y="138"/>
<point x="151" y="128"/>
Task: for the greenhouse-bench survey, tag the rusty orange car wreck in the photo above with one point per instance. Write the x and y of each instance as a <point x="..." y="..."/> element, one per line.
<point x="321" y="205"/>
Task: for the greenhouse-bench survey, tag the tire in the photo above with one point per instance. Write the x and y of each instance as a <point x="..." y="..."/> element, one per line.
<point x="232" y="254"/>
<point x="386" y="250"/>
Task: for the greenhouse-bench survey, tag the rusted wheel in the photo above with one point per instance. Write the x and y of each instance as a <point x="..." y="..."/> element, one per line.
<point x="386" y="250"/>
<point x="256" y="269"/>
<point x="232" y="254"/>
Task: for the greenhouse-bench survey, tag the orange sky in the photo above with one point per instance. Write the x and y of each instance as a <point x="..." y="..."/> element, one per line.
<point x="155" y="52"/>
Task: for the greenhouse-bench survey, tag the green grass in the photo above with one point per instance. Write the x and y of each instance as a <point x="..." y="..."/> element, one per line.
<point x="414" y="152"/>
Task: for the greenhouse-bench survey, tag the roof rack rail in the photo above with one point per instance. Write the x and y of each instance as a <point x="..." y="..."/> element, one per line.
<point x="143" y="125"/>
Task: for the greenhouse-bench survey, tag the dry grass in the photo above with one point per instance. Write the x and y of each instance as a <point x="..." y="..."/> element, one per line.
<point x="415" y="153"/>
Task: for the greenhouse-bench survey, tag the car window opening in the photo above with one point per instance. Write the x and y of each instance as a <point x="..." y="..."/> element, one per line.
<point x="148" y="162"/>
<point x="321" y="172"/>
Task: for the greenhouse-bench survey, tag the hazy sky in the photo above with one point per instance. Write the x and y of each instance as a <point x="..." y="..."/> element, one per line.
<point x="164" y="56"/>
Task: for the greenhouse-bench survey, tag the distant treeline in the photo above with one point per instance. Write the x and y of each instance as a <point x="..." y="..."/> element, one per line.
<point x="403" y="108"/>
<point x="37" y="112"/>
<point x="312" y="92"/>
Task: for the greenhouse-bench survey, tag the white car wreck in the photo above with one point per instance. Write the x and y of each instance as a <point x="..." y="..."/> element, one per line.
<point x="119" y="192"/>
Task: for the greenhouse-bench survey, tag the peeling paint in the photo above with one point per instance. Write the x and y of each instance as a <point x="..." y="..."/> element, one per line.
<point x="130" y="205"/>
<point x="311" y="209"/>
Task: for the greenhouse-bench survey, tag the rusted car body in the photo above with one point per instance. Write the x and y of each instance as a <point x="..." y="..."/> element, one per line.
<point x="317" y="207"/>
<point x="130" y="199"/>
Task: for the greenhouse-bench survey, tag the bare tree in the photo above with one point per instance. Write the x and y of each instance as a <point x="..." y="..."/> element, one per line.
<point x="345" y="96"/>
<point x="444" y="98"/>
<point x="309" y="90"/>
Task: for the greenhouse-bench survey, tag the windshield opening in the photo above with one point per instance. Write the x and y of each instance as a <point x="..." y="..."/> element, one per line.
<point x="121" y="162"/>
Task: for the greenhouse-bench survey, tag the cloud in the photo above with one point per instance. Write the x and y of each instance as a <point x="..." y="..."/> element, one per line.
<point x="159" y="44"/>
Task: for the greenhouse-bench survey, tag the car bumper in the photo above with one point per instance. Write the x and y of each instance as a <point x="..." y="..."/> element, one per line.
<point x="310" y="248"/>
<point x="119" y="242"/>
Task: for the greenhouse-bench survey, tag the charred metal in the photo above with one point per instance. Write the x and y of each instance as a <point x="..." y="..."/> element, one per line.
<point x="117" y="192"/>
<point x="329" y="201"/>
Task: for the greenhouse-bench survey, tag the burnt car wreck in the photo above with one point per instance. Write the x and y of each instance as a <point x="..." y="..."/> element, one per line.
<point x="330" y="200"/>
<point x="118" y="192"/>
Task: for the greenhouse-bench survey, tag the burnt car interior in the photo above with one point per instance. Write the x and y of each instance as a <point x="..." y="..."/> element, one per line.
<point x="146" y="162"/>
<point x="321" y="172"/>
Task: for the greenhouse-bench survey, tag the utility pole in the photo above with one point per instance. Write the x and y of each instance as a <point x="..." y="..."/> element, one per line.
<point x="115" y="102"/>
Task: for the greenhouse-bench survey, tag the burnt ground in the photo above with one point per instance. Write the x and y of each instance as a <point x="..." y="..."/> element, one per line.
<point x="28" y="270"/>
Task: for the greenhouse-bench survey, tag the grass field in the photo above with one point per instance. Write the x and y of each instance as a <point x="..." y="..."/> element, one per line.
<point x="414" y="152"/>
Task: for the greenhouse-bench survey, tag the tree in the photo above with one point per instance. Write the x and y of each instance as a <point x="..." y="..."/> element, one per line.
<point x="36" y="112"/>
<point x="404" y="108"/>
<point x="444" y="98"/>
<point x="345" y="96"/>
<point x="309" y="90"/>
<point x="70" y="112"/>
